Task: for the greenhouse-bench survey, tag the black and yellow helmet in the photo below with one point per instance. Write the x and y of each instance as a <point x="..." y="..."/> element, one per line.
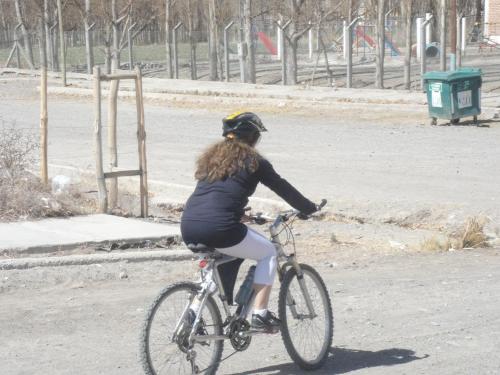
<point x="246" y="126"/>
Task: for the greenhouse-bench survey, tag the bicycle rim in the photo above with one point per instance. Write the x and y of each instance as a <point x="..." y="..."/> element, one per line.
<point x="307" y="340"/>
<point x="160" y="355"/>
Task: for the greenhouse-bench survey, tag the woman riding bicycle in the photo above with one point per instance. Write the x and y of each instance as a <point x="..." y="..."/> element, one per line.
<point x="228" y="173"/>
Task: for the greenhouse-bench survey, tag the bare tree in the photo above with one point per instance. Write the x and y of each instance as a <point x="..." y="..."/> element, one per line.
<point x="169" y="4"/>
<point x="86" y="16"/>
<point x="26" y="38"/>
<point x="248" y="32"/>
<point x="300" y="24"/>
<point x="379" y="7"/>
<point x="213" y="38"/>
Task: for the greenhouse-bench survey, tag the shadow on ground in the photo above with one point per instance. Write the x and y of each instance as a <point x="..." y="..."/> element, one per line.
<point x="344" y="361"/>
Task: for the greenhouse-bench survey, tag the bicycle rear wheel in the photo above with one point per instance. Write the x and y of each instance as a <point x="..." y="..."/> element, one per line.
<point x="307" y="339"/>
<point x="160" y="352"/>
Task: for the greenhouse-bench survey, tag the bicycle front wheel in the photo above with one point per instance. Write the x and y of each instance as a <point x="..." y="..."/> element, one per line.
<point x="164" y="340"/>
<point x="307" y="338"/>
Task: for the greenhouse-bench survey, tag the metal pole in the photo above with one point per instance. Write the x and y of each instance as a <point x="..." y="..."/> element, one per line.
<point x="226" y="49"/>
<point x="419" y="41"/>
<point x="279" y="34"/>
<point x="453" y="36"/>
<point x="349" y="52"/>
<point x="345" y="39"/>
<point x="176" y="56"/>
<point x="464" y="34"/>
<point x="459" y="42"/>
<point x="129" y="41"/>
<point x="423" y="66"/>
<point x="442" y="38"/>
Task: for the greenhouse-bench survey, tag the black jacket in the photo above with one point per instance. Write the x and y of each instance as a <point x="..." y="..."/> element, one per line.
<point x="213" y="213"/>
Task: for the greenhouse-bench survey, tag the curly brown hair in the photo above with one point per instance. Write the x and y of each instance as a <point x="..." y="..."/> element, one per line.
<point x="226" y="158"/>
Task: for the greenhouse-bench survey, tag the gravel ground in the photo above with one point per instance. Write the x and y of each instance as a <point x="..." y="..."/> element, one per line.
<point x="390" y="180"/>
<point x="427" y="313"/>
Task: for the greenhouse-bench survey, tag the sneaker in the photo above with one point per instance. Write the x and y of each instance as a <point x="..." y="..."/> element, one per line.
<point x="267" y="324"/>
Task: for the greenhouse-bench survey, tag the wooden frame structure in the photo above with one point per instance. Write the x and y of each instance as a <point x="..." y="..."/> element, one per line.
<point x="141" y="140"/>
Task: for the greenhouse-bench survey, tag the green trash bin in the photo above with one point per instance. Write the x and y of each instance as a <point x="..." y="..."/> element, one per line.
<point x="453" y="95"/>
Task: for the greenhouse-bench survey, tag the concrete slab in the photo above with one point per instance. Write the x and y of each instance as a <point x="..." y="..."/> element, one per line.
<point x="55" y="234"/>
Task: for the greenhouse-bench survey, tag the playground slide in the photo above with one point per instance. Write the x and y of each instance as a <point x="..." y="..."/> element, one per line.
<point x="388" y="43"/>
<point x="268" y="43"/>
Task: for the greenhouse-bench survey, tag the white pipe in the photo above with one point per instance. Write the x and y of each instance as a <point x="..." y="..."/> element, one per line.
<point x="419" y="42"/>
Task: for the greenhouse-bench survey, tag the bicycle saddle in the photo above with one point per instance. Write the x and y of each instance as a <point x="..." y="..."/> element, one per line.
<point x="200" y="248"/>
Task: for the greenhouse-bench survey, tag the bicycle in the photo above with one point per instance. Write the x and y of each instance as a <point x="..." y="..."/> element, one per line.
<point x="174" y="339"/>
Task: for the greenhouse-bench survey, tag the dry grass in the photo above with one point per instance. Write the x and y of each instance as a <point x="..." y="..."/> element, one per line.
<point x="22" y="195"/>
<point x="435" y="244"/>
<point x="470" y="236"/>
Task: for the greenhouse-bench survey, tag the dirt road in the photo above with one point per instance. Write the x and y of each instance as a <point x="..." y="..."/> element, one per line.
<point x="398" y="314"/>
<point x="394" y="165"/>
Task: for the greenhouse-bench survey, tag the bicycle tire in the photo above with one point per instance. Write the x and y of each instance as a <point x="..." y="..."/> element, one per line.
<point x="210" y="306"/>
<point x="322" y="356"/>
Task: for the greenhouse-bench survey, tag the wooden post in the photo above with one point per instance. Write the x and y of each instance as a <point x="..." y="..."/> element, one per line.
<point x="101" y="184"/>
<point x="141" y="139"/>
<point x="112" y="145"/>
<point x="44" y="175"/>
<point x="43" y="126"/>
<point x="63" y="44"/>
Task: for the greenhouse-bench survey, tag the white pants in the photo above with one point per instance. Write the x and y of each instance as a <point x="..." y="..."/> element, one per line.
<point x="257" y="247"/>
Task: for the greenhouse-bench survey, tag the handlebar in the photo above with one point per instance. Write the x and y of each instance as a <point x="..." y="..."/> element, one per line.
<point x="260" y="219"/>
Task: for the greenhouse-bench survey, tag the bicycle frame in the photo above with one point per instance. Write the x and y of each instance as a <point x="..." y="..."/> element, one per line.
<point x="211" y="282"/>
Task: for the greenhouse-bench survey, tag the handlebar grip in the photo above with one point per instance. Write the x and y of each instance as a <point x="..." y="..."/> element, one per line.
<point x="322" y="204"/>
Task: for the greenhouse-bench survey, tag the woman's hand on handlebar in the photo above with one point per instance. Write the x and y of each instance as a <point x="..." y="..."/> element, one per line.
<point x="303" y="216"/>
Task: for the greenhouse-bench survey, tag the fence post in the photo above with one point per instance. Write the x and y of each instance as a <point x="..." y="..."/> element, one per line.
<point x="423" y="65"/>
<point x="419" y="21"/>
<point x="226" y="49"/>
<point x="459" y="42"/>
<point x="141" y="139"/>
<point x="279" y="34"/>
<point x="176" y="56"/>
<point x="464" y="34"/>
<point x="101" y="184"/>
<point x="348" y="32"/>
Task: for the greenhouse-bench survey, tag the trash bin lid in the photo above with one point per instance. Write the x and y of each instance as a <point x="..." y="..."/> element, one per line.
<point x="452" y="75"/>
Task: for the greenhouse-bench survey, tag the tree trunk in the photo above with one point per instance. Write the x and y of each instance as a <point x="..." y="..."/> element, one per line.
<point x="214" y="40"/>
<point x="116" y="36"/>
<point x="168" y="37"/>
<point x="408" y="18"/>
<point x="48" y="36"/>
<point x="380" y="45"/>
<point x="291" y="55"/>
<point x="247" y="28"/>
<point x="479" y="7"/>
<point x="89" y="51"/>
<point x="3" y="23"/>
<point x="192" y="41"/>
<point x="27" y="42"/>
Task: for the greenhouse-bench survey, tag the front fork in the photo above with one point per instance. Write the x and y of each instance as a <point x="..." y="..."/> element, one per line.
<point x="290" y="301"/>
